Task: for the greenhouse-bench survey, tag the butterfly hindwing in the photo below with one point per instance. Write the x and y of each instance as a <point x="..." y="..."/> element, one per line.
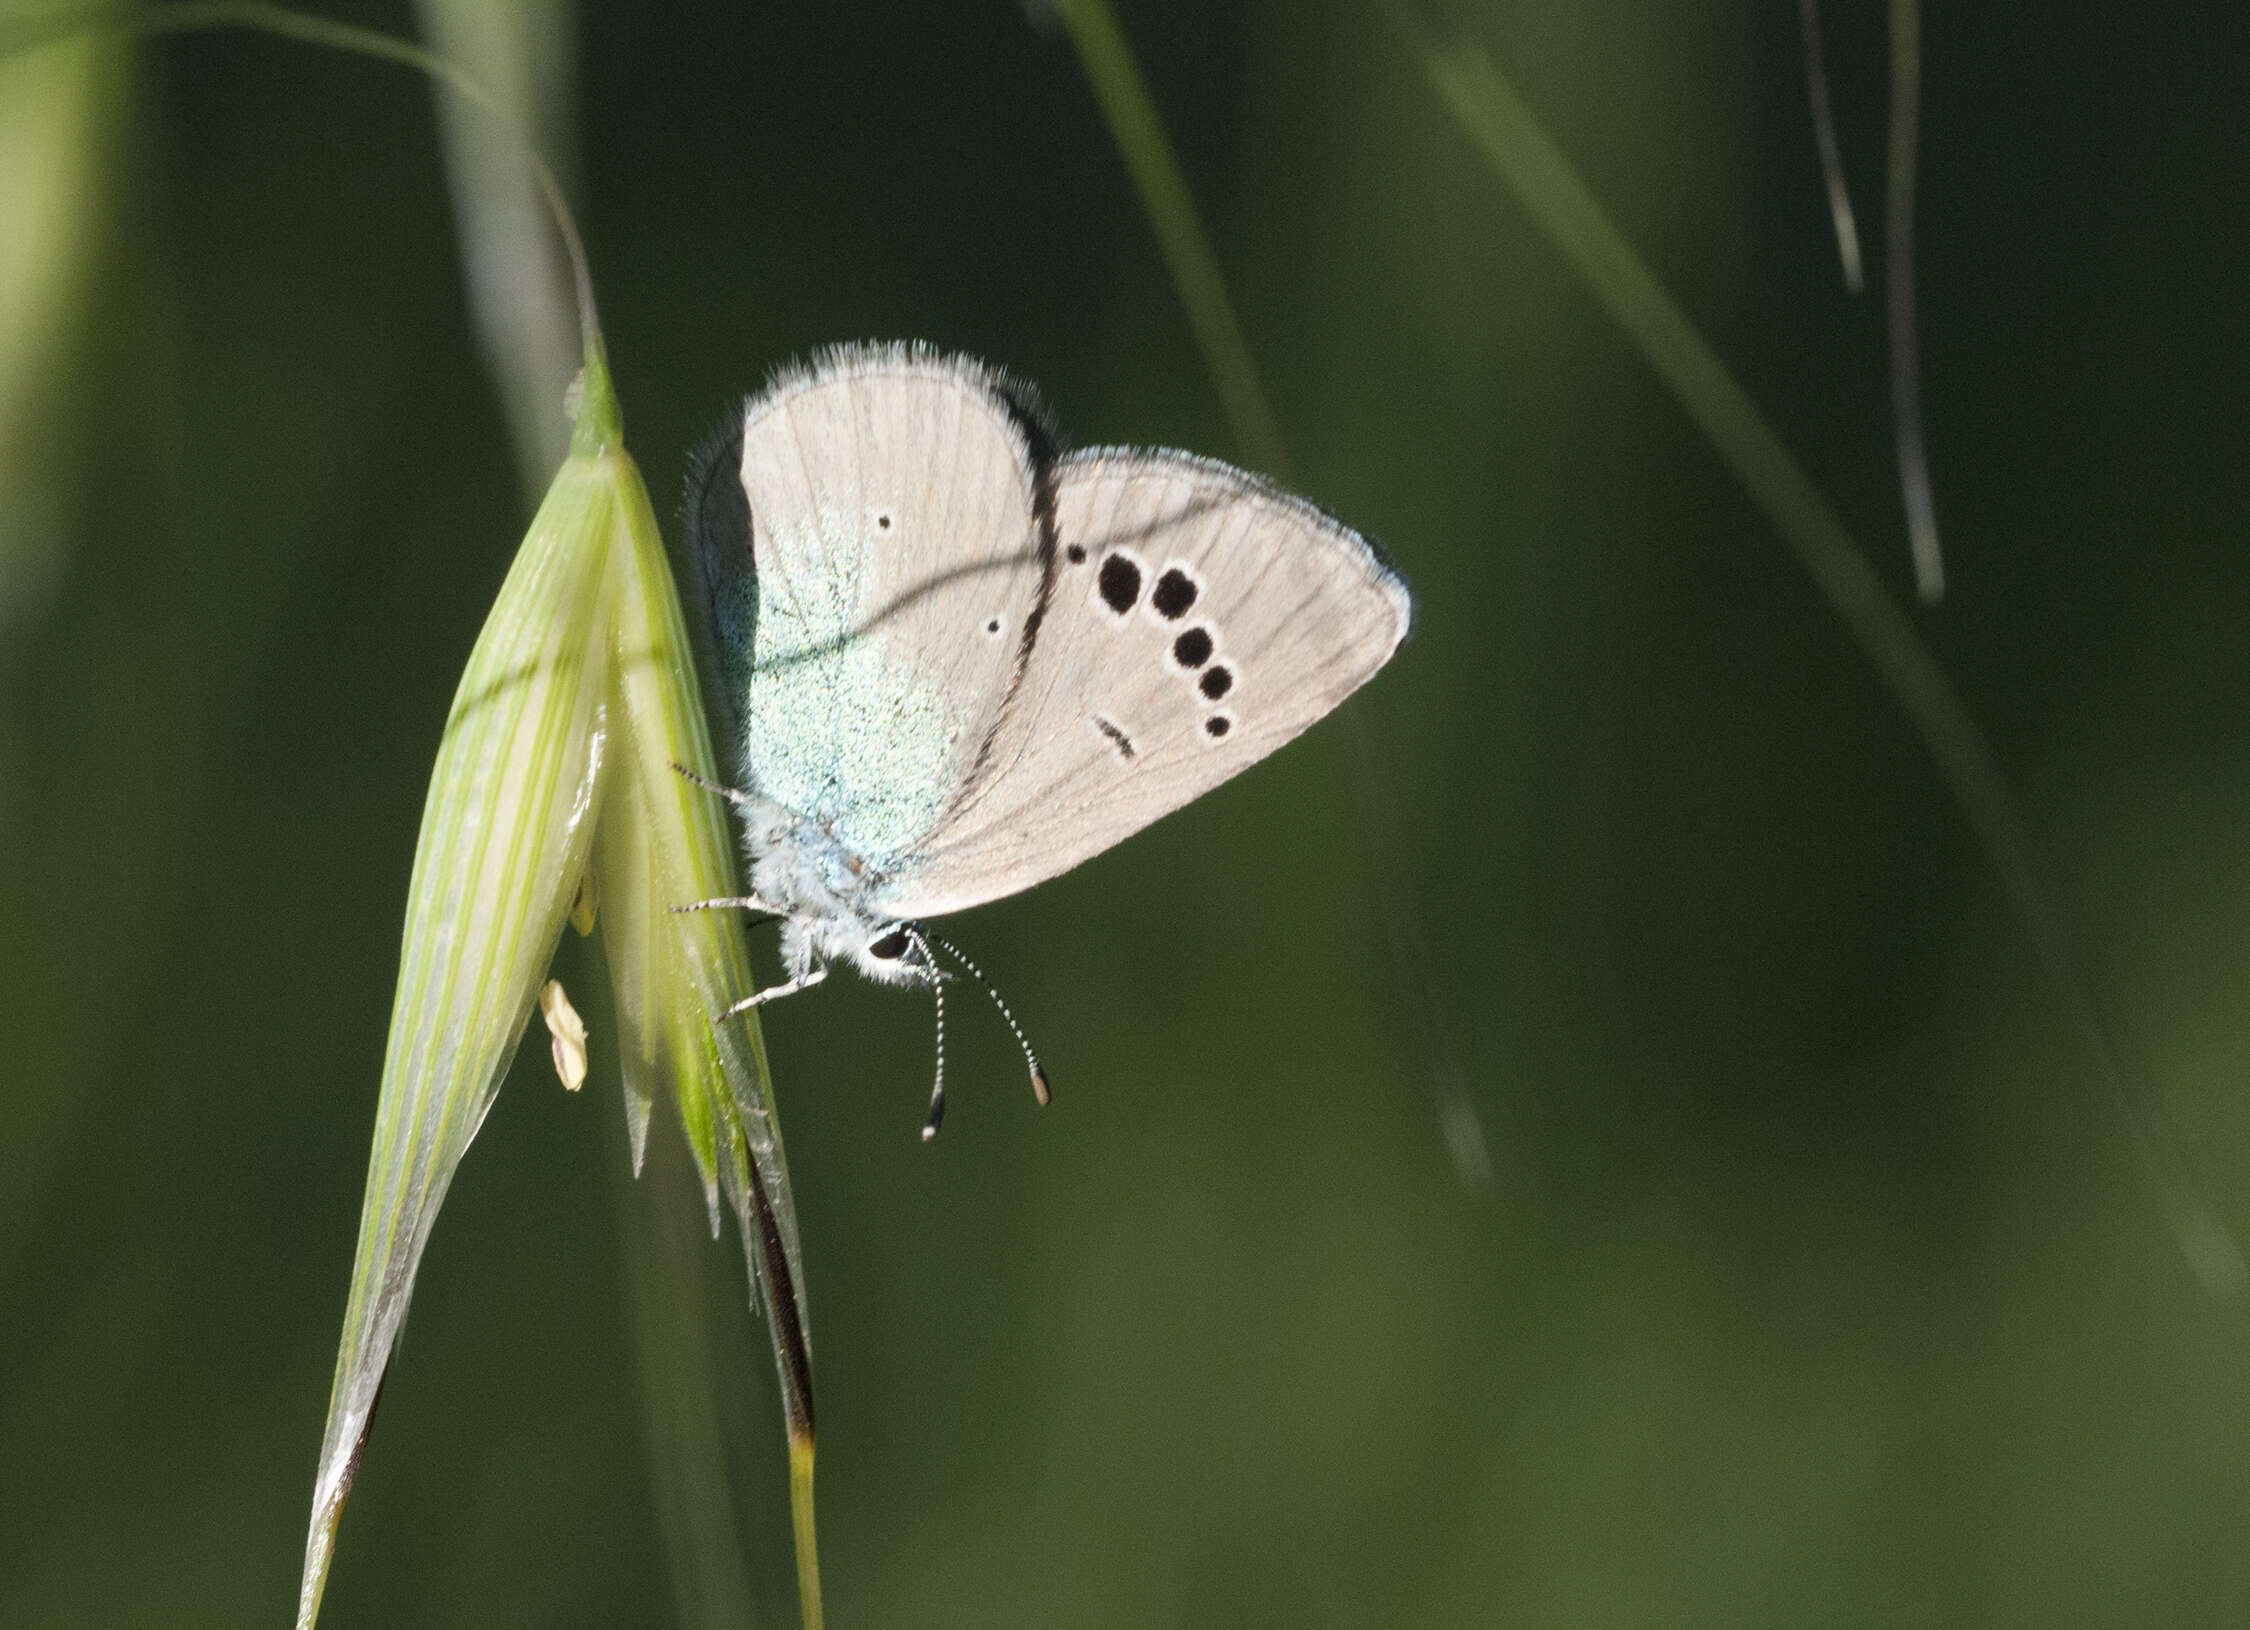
<point x="1199" y="619"/>
<point x="902" y="554"/>
<point x="721" y="604"/>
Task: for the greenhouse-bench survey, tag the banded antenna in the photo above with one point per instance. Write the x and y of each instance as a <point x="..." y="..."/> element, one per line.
<point x="937" y="989"/>
<point x="1039" y="1088"/>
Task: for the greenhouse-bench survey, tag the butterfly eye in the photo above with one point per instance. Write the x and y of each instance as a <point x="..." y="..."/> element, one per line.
<point x="890" y="947"/>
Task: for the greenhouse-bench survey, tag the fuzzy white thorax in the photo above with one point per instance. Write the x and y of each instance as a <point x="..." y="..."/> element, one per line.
<point x="798" y="866"/>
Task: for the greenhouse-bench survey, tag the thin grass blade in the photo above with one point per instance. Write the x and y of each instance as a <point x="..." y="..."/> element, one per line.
<point x="1898" y="290"/>
<point x="518" y="282"/>
<point x="59" y="113"/>
<point x="1139" y="133"/>
<point x="1496" y="119"/>
<point x="1824" y="139"/>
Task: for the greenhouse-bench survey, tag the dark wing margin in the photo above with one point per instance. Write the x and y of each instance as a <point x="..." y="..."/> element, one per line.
<point x="713" y="560"/>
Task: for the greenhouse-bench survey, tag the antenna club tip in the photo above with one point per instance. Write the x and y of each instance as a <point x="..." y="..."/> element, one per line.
<point x="1039" y="1087"/>
<point x="929" y="1131"/>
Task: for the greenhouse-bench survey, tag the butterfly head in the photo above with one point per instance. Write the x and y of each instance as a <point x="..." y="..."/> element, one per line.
<point x="822" y="888"/>
<point x="881" y="950"/>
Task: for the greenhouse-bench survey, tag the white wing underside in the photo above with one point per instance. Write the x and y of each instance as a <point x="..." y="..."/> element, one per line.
<point x="897" y="563"/>
<point x="1114" y="721"/>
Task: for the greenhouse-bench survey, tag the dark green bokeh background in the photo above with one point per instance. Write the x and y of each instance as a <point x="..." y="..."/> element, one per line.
<point x="1815" y="1287"/>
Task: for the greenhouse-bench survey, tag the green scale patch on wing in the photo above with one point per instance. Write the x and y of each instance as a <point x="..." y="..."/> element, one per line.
<point x="899" y="568"/>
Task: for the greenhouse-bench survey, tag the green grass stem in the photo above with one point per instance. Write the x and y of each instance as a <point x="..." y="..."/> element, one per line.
<point x="1504" y="131"/>
<point x="1140" y="137"/>
<point x="579" y="702"/>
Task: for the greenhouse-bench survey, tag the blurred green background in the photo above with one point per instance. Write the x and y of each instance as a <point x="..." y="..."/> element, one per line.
<point x="1815" y="1284"/>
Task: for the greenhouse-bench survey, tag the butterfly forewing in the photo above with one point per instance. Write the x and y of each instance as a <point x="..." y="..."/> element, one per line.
<point x="900" y="557"/>
<point x="1198" y="619"/>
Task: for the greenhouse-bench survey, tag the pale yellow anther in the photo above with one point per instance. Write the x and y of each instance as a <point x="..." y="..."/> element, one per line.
<point x="567" y="1031"/>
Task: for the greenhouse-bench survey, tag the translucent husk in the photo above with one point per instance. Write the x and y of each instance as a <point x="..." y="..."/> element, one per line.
<point x="506" y="832"/>
<point x="559" y="759"/>
<point x="557" y="796"/>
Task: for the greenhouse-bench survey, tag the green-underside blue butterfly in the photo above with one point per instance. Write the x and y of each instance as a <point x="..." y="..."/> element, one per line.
<point x="954" y="661"/>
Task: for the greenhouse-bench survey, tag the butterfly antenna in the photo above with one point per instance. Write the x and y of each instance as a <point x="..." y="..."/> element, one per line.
<point x="937" y="1091"/>
<point x="1039" y="1088"/>
<point x="733" y="795"/>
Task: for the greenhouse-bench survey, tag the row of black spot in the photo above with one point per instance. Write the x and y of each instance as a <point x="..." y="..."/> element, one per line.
<point x="1172" y="598"/>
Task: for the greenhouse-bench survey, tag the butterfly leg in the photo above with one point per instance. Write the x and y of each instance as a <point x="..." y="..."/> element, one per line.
<point x="774" y="993"/>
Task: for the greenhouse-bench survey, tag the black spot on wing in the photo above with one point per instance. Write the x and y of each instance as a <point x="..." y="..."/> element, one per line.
<point x="1175" y="592"/>
<point x="1217" y="682"/>
<point x="1117" y="737"/>
<point x="1223" y="486"/>
<point x="1193" y="648"/>
<point x="1120" y="584"/>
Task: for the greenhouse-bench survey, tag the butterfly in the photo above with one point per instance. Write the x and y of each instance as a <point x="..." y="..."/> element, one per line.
<point x="954" y="661"/>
